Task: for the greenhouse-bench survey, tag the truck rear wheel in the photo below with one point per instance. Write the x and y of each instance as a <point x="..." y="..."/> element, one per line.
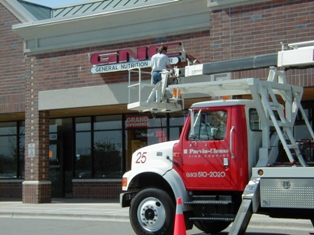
<point x="211" y="226"/>
<point x="152" y="212"/>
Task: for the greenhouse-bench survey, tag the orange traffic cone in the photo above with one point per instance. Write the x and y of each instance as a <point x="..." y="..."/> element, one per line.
<point x="179" y="224"/>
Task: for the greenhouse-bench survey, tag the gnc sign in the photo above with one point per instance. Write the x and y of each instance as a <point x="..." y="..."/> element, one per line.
<point x="112" y="61"/>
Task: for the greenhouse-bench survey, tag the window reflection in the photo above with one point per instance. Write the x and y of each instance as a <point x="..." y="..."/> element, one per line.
<point x="12" y="150"/>
<point x="99" y="152"/>
<point x="83" y="124"/>
<point x="108" y="122"/>
<point x="108" y="154"/>
<point x="22" y="157"/>
<point x="157" y="121"/>
<point x="8" y="128"/>
<point x="209" y="125"/>
<point x="83" y="158"/>
<point x="8" y="157"/>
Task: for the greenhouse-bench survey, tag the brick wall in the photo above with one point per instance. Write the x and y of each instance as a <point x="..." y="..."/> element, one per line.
<point x="233" y="33"/>
<point x="104" y="190"/>
<point x="12" y="66"/>
<point x="258" y="29"/>
<point x="71" y="68"/>
<point x="36" y="193"/>
<point x="10" y="189"/>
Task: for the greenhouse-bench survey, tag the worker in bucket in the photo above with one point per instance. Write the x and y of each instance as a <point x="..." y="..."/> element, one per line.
<point x="159" y="61"/>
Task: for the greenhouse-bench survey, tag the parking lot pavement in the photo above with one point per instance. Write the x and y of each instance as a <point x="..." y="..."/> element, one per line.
<point x="109" y="209"/>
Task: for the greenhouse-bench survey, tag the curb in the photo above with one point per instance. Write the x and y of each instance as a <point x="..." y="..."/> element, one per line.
<point x="56" y="216"/>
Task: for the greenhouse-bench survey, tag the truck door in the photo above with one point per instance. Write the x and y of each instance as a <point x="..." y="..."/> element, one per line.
<point x="210" y="151"/>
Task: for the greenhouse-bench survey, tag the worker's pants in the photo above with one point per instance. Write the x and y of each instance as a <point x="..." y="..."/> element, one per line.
<point x="156" y="76"/>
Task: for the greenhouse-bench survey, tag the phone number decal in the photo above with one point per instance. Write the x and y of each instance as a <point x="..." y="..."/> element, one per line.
<point x="204" y="174"/>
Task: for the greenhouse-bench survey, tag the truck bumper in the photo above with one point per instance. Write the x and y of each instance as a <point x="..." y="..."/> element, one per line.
<point x="125" y="198"/>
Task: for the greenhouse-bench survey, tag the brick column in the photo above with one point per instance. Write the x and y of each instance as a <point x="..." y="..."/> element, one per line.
<point x="36" y="187"/>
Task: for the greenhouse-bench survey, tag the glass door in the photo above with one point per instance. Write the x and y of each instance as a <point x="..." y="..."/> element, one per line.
<point x="56" y="172"/>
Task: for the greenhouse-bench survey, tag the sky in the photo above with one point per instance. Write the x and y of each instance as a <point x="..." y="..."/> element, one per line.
<point x="55" y="3"/>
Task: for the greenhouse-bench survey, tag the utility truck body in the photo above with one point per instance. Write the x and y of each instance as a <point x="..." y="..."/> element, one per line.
<point x="234" y="157"/>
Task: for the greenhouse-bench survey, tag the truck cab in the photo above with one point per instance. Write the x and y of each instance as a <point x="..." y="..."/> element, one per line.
<point x="217" y="150"/>
<point x="209" y="167"/>
<point x="224" y="166"/>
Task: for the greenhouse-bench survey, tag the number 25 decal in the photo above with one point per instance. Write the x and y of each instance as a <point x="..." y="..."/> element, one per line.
<point x="141" y="158"/>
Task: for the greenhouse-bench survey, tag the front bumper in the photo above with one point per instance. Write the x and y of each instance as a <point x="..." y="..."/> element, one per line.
<point x="125" y="198"/>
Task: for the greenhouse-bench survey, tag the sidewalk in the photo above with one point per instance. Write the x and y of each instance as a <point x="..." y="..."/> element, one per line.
<point x="65" y="207"/>
<point x="109" y="209"/>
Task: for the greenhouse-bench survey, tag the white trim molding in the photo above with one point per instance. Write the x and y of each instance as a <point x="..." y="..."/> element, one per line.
<point x="36" y="182"/>
<point x="223" y="4"/>
<point x="164" y="18"/>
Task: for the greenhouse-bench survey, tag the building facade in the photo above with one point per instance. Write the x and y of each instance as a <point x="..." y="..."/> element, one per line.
<point x="65" y="130"/>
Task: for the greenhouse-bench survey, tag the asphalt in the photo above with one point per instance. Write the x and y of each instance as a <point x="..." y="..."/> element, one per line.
<point x="101" y="209"/>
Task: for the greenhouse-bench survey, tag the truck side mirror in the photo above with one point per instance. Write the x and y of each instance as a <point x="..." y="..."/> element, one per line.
<point x="191" y="135"/>
<point x="195" y="122"/>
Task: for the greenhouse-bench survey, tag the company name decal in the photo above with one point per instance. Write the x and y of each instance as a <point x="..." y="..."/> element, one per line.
<point x="206" y="153"/>
<point x="127" y="66"/>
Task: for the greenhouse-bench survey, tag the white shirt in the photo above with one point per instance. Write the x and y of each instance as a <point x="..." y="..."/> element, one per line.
<point x="159" y="62"/>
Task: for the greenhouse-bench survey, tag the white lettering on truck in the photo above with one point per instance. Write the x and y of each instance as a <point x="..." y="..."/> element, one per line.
<point x="206" y="151"/>
<point x="204" y="174"/>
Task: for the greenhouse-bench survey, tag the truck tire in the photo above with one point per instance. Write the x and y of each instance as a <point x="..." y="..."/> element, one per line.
<point x="152" y="212"/>
<point x="211" y="226"/>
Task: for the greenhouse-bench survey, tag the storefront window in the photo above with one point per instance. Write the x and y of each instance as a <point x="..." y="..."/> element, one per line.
<point x="83" y="157"/>
<point x="175" y="133"/>
<point x="143" y="130"/>
<point x="83" y="124"/>
<point x="8" y="128"/>
<point x="99" y="147"/>
<point x="12" y="150"/>
<point x="108" y="147"/>
<point x="8" y="155"/>
<point x="157" y="121"/>
<point x="176" y="122"/>
<point x="108" y="122"/>
<point x="22" y="156"/>
<point x="108" y="154"/>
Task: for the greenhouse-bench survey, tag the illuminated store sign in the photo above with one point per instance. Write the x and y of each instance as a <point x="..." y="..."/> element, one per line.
<point x="113" y="61"/>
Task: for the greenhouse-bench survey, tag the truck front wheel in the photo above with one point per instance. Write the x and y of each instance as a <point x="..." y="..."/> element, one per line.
<point x="152" y="212"/>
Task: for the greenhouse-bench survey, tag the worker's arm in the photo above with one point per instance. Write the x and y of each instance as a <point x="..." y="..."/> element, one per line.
<point x="169" y="66"/>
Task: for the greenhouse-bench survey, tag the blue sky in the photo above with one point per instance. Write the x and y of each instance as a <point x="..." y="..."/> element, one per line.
<point x="55" y="3"/>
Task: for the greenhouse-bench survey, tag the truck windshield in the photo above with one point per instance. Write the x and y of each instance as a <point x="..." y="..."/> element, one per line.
<point x="208" y="125"/>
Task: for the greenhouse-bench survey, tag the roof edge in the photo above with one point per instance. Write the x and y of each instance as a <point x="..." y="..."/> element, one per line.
<point x="76" y="4"/>
<point x="78" y="18"/>
<point x="18" y="10"/>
